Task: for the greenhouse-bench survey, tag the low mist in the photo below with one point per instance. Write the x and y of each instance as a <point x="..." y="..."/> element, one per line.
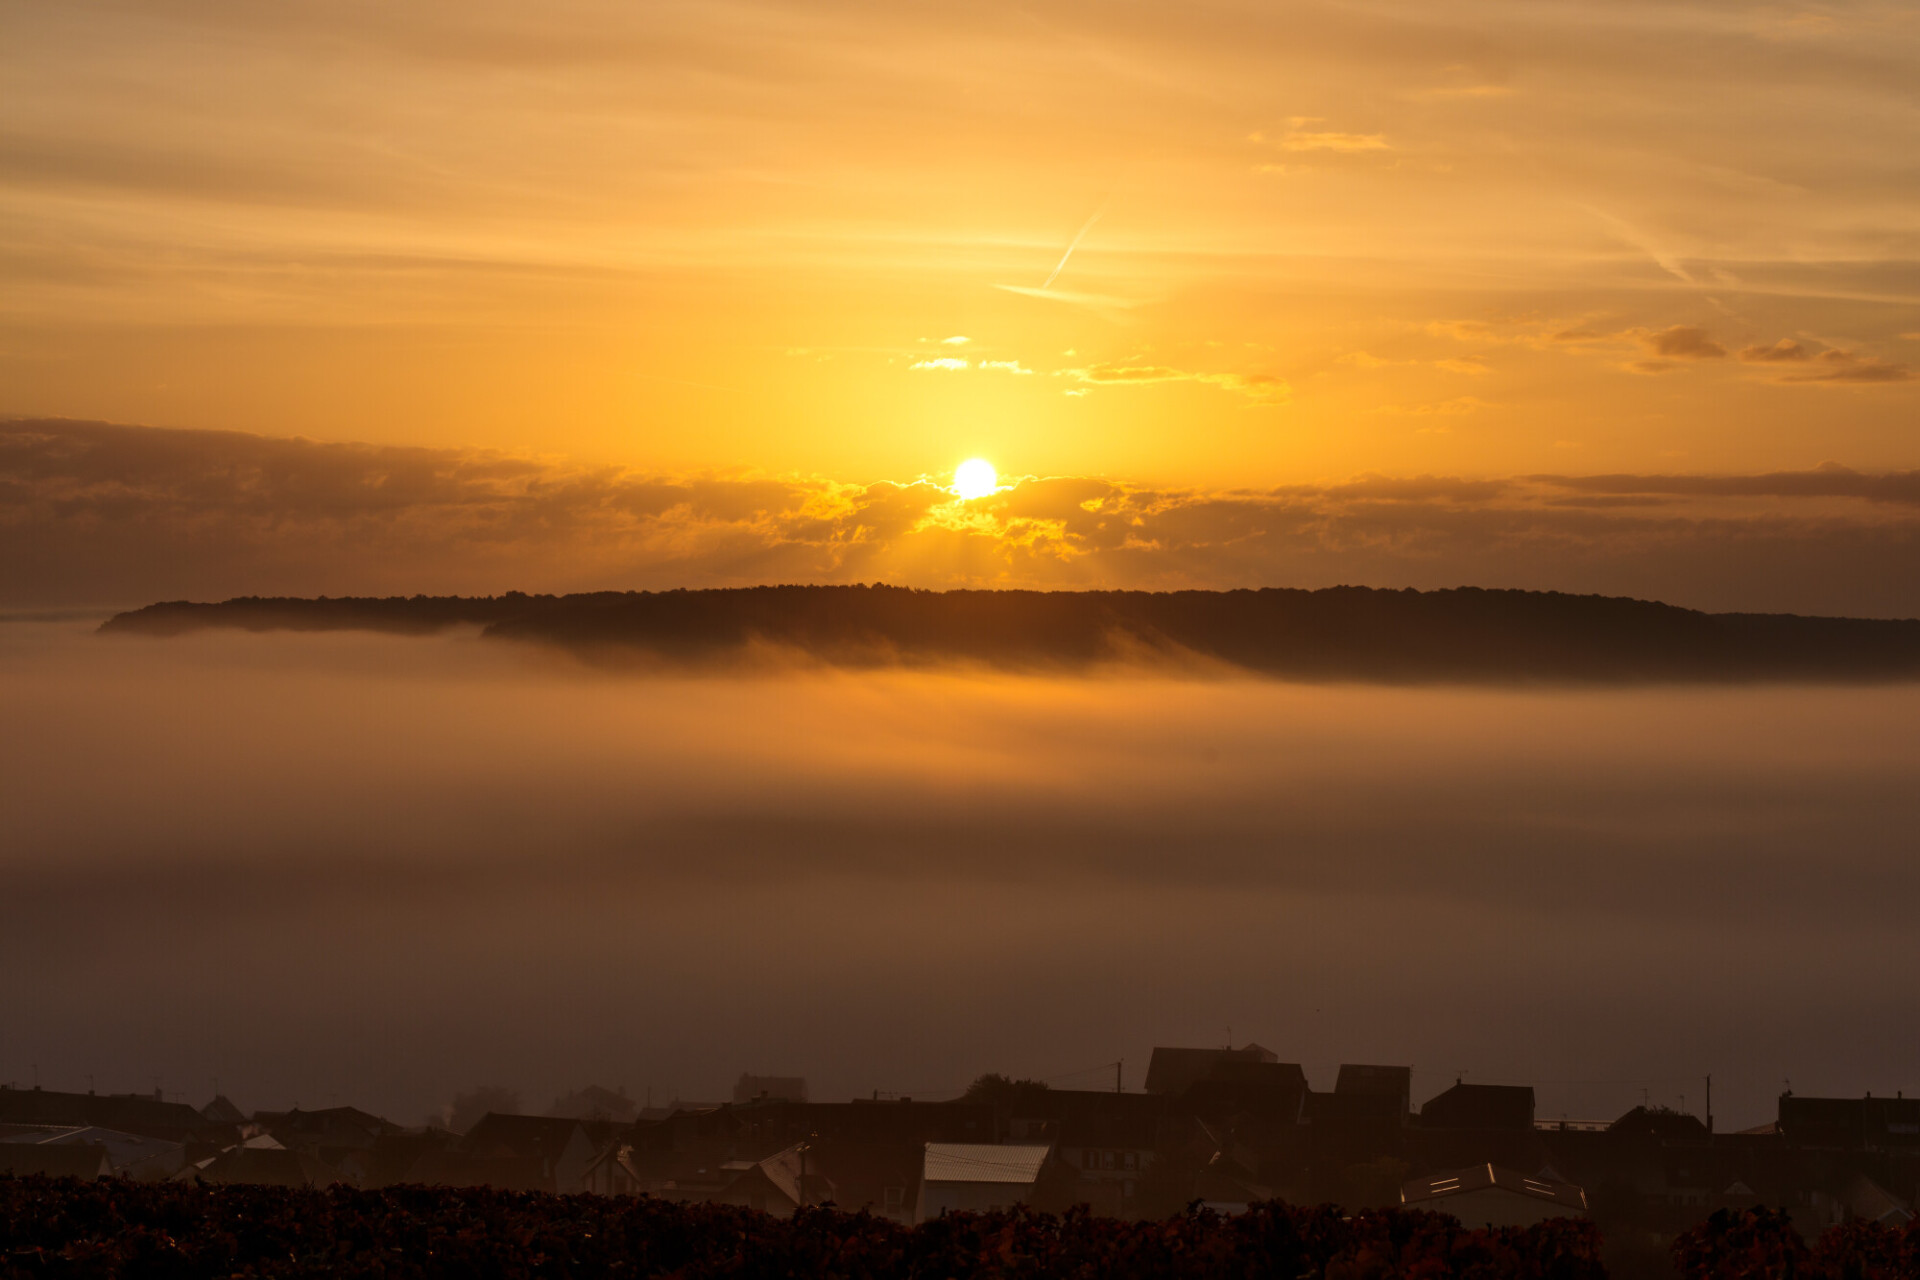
<point x="350" y="868"/>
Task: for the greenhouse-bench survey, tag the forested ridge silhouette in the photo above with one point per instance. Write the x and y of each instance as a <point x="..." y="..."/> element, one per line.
<point x="1464" y="633"/>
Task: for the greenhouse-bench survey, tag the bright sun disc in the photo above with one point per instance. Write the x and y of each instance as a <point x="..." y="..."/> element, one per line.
<point x="975" y="478"/>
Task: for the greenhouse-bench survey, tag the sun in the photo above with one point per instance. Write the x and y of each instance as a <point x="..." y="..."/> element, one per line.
<point x="975" y="478"/>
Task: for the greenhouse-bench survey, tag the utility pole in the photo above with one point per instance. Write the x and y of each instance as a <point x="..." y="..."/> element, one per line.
<point x="1709" y="1106"/>
<point x="1116" y="1075"/>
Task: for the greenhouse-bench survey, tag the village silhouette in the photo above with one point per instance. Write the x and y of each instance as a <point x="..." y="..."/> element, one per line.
<point x="1215" y="1128"/>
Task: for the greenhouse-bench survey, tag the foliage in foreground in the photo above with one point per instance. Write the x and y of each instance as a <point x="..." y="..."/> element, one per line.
<point x="1761" y="1244"/>
<point x="173" y="1231"/>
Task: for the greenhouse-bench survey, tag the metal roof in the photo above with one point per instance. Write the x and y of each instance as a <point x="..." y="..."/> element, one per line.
<point x="1482" y="1176"/>
<point x="983" y="1162"/>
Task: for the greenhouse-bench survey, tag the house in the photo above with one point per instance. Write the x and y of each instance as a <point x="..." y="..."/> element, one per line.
<point x="263" y="1166"/>
<point x="530" y="1153"/>
<point x="613" y="1173"/>
<point x="779" y="1184"/>
<point x="55" y="1160"/>
<point x="1362" y="1080"/>
<point x="1104" y="1142"/>
<point x="131" y="1154"/>
<point x="222" y="1111"/>
<point x="1172" y="1071"/>
<point x="1851" y="1124"/>
<point x="331" y="1133"/>
<point x="148" y="1115"/>
<point x="973" y="1177"/>
<point x="1480" y="1106"/>
<point x="751" y="1088"/>
<point x="1487" y="1195"/>
<point x="1226" y="1187"/>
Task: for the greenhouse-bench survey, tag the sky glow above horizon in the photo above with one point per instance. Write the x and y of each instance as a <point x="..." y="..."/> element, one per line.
<point x="1209" y="246"/>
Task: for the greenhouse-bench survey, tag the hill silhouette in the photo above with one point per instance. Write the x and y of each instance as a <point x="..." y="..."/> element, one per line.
<point x="1463" y="634"/>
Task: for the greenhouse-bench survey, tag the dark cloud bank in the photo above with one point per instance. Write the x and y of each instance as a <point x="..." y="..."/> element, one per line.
<point x="95" y="513"/>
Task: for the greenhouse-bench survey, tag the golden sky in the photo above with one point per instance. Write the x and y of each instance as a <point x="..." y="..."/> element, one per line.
<point x="1320" y="240"/>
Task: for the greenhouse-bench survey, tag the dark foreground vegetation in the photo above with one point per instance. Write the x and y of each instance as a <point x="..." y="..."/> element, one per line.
<point x="64" y="1227"/>
<point x="1337" y="633"/>
<point x="117" y="1228"/>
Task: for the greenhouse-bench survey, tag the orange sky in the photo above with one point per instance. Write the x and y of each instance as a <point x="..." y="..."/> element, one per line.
<point x="1470" y="239"/>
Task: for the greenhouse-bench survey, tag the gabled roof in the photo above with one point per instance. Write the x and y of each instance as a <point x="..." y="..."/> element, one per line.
<point x="1658" y="1122"/>
<point x="1867" y="1199"/>
<point x="1424" y="1192"/>
<point x="1365" y="1078"/>
<point x="265" y="1167"/>
<point x="983" y="1162"/>
<point x="1480" y="1106"/>
<point x="222" y="1111"/>
<point x="55" y="1159"/>
<point x="498" y="1134"/>
<point x="129" y="1113"/>
<point x="1173" y="1070"/>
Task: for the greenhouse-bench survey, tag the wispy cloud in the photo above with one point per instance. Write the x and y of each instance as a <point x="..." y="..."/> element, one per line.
<point x="1684" y="342"/>
<point x="1835" y="365"/>
<point x="1260" y="386"/>
<point x="1304" y="140"/>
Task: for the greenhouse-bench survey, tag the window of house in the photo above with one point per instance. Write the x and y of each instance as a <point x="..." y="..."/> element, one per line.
<point x="895" y="1197"/>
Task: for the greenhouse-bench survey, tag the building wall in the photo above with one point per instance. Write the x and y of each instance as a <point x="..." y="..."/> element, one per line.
<point x="1496" y="1206"/>
<point x="937" y="1198"/>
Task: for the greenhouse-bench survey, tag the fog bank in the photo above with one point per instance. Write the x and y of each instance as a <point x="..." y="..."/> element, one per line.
<point x="382" y="869"/>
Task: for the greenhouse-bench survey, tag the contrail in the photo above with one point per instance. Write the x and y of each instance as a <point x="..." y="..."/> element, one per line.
<point x="1078" y="236"/>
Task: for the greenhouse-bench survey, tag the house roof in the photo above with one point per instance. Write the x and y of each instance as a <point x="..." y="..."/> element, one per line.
<point x="1480" y="1177"/>
<point x="55" y="1159"/>
<point x="1366" y="1078"/>
<point x="266" y="1167"/>
<point x="1480" y="1106"/>
<point x="500" y="1134"/>
<point x="983" y="1162"/>
<point x="1172" y="1070"/>
<point x="129" y="1113"/>
<point x="222" y="1111"/>
<point x="1867" y="1199"/>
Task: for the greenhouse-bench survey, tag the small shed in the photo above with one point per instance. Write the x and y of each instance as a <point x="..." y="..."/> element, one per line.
<point x="1487" y="1195"/>
<point x="973" y="1177"/>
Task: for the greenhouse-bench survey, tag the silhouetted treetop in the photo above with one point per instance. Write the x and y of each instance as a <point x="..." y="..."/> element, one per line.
<point x="1339" y="633"/>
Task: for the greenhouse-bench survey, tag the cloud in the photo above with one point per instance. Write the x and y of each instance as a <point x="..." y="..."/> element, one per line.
<point x="1341" y="142"/>
<point x="1684" y="342"/>
<point x="948" y="363"/>
<point x="958" y="340"/>
<point x="1782" y="351"/>
<point x="1835" y="365"/>
<point x="1005" y="366"/>
<point x="1259" y="386"/>
<point x="98" y="513"/>
<point x="1455" y="407"/>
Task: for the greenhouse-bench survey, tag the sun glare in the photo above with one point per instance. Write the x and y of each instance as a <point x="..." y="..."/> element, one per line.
<point x="975" y="478"/>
